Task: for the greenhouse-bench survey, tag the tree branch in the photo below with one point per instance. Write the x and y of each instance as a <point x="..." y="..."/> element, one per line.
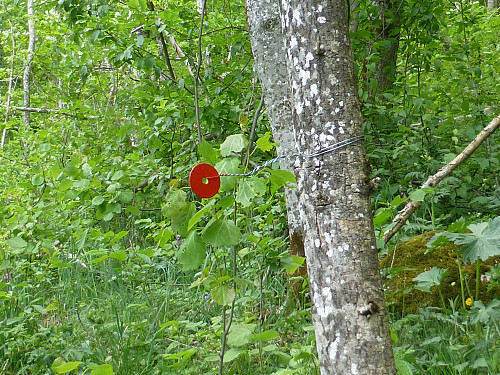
<point x="432" y="181"/>
<point x="44" y="110"/>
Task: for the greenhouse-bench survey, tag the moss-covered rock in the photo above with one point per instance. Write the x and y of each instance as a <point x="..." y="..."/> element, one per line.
<point x="409" y="259"/>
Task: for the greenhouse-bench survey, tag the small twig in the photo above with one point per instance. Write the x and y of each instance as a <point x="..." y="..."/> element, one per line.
<point x="254" y="125"/>
<point x="197" y="77"/>
<point x="432" y="181"/>
<point x="44" y="110"/>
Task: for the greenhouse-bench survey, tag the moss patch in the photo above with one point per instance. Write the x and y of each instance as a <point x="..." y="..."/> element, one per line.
<point x="409" y="259"/>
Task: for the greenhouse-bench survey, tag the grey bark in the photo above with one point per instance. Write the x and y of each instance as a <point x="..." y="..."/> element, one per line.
<point x="492" y="4"/>
<point x="269" y="54"/>
<point x="31" y="52"/>
<point x="349" y="315"/>
<point x="390" y="25"/>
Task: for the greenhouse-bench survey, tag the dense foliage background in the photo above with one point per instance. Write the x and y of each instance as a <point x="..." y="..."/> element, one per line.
<point x="110" y="264"/>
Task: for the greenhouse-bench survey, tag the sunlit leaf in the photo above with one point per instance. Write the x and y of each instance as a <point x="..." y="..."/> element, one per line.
<point x="192" y="252"/>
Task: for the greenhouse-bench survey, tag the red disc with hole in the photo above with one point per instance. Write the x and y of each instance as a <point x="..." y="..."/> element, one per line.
<point x="204" y="180"/>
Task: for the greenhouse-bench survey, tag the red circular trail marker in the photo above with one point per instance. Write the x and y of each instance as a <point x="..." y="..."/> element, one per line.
<point x="204" y="180"/>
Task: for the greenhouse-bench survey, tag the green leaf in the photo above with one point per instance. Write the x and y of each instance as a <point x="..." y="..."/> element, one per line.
<point x="104" y="369"/>
<point x="96" y="201"/>
<point x="223" y="294"/>
<point x="197" y="216"/>
<point x="281" y="177"/>
<point x="192" y="252"/>
<point x="228" y="165"/>
<point x="65" y="184"/>
<point x="126" y="196"/>
<point x="119" y="255"/>
<point x="222" y="233"/>
<point x="270" y="334"/>
<point x="482" y="243"/>
<point x="176" y="203"/>
<point x="37" y="180"/>
<point x="65" y="367"/>
<point x="17" y="243"/>
<point x="292" y="263"/>
<point x="231" y="354"/>
<point x="426" y="280"/>
<point x="417" y="195"/>
<point x="206" y="151"/>
<point x="264" y="142"/>
<point x="117" y="175"/>
<point x="233" y="143"/>
<point x="240" y="334"/>
<point x="248" y="189"/>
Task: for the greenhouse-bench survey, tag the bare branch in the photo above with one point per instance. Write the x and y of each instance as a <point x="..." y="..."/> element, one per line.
<point x="432" y="181"/>
<point x="44" y="110"/>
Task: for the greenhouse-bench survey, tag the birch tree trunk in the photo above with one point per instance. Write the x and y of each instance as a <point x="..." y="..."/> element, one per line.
<point x="351" y="324"/>
<point x="269" y="55"/>
<point x="27" y="69"/>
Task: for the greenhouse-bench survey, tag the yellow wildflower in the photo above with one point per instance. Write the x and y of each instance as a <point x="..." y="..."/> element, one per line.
<point x="468" y="301"/>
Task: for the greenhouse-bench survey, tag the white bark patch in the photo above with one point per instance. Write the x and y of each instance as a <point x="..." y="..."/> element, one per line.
<point x="333" y="347"/>
<point x="317" y="242"/>
<point x="354" y="369"/>
<point x="296" y="17"/>
<point x="343" y="247"/>
<point x="304" y="75"/>
<point x="309" y="58"/>
<point x="321" y="19"/>
<point x="314" y="92"/>
<point x="323" y="302"/>
<point x="293" y="42"/>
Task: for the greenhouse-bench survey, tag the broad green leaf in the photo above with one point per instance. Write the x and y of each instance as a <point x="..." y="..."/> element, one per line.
<point x="104" y="369"/>
<point x="280" y="178"/>
<point x="426" y="280"/>
<point x="66" y="367"/>
<point x="233" y="143"/>
<point x="126" y="196"/>
<point x="97" y="200"/>
<point x="180" y="222"/>
<point x="264" y="142"/>
<point x="228" y="165"/>
<point x="17" y="243"/>
<point x="197" y="216"/>
<point x="231" y="354"/>
<point x="222" y="233"/>
<point x="240" y="334"/>
<point x="403" y="367"/>
<point x="37" y="180"/>
<point x="248" y="189"/>
<point x="292" y="263"/>
<point x="176" y="203"/>
<point x="245" y="193"/>
<point x="381" y="216"/>
<point x="223" y="294"/>
<point x="117" y="175"/>
<point x="65" y="184"/>
<point x="119" y="255"/>
<point x="417" y="195"/>
<point x="206" y="151"/>
<point x="192" y="252"/>
<point x="270" y="334"/>
<point x="482" y="243"/>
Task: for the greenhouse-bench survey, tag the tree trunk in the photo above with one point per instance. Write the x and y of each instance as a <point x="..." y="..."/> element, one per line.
<point x="27" y="70"/>
<point x="269" y="54"/>
<point x="390" y="25"/>
<point x="349" y="315"/>
<point x="492" y="4"/>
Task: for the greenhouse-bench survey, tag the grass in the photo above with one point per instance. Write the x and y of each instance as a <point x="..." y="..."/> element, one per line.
<point x="144" y="318"/>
